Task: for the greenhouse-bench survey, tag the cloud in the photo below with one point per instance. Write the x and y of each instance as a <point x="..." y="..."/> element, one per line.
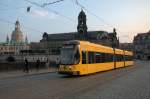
<point x="42" y="14"/>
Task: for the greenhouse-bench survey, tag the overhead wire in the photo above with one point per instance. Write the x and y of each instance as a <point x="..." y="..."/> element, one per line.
<point x="36" y="4"/>
<point x="73" y="4"/>
<point x="12" y="8"/>
<point x="16" y="8"/>
<point x="55" y="12"/>
<point x="99" y="18"/>
<point x="44" y="4"/>
<point x="4" y="5"/>
<point x="49" y="3"/>
<point x="29" y="28"/>
<point x="59" y="14"/>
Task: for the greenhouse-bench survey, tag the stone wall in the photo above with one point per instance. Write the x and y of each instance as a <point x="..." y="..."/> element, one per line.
<point x="10" y="66"/>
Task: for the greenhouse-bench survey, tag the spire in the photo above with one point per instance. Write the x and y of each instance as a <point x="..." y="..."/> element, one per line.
<point x="17" y="25"/>
<point x="82" y="14"/>
<point x="26" y="40"/>
<point x="7" y="39"/>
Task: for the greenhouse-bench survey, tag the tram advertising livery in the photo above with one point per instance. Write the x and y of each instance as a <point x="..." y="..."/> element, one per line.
<point x="82" y="57"/>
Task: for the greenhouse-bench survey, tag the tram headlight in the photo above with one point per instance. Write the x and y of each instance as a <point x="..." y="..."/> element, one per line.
<point x="69" y="67"/>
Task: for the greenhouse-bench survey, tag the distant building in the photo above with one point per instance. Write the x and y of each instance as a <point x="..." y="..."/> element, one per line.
<point x="53" y="42"/>
<point x="142" y="46"/>
<point x="17" y="35"/>
<point x="16" y="43"/>
<point x="126" y="46"/>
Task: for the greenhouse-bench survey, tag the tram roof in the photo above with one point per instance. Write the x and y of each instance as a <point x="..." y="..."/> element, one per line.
<point x="95" y="47"/>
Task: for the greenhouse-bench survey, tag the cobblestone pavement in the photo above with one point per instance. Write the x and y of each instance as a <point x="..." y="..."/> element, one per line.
<point x="18" y="73"/>
<point x="125" y="83"/>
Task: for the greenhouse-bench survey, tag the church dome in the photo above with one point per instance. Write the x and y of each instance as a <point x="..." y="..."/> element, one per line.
<point x="17" y="35"/>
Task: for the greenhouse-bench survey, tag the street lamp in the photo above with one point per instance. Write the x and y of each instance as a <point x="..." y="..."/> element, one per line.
<point x="113" y="46"/>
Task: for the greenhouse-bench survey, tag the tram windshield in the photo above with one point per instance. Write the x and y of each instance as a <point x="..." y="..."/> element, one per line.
<point x="70" y="55"/>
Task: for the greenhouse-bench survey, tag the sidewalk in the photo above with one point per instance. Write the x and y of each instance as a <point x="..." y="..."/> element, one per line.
<point x="18" y="73"/>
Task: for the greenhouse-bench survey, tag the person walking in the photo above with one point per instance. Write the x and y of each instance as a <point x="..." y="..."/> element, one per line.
<point x="26" y="69"/>
<point x="37" y="64"/>
<point x="47" y="63"/>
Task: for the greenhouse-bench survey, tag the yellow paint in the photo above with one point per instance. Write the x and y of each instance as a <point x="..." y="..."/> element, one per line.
<point x="84" y="69"/>
<point x="119" y="64"/>
<point x="129" y="63"/>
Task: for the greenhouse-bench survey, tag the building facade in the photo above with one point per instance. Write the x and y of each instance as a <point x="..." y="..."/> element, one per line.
<point x="17" y="35"/>
<point x="53" y="42"/>
<point x="16" y="43"/>
<point x="126" y="46"/>
<point x="142" y="46"/>
<point x="12" y="48"/>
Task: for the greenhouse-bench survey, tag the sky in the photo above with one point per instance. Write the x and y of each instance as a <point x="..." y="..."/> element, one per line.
<point x="129" y="17"/>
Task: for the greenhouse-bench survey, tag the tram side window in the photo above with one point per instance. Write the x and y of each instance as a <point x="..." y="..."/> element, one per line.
<point x="122" y="58"/>
<point x="103" y="57"/>
<point x="77" y="56"/>
<point x="131" y="58"/>
<point x="91" y="57"/>
<point x="98" y="57"/>
<point x="84" y="57"/>
<point x="109" y="58"/>
<point x="119" y="58"/>
<point x="128" y="58"/>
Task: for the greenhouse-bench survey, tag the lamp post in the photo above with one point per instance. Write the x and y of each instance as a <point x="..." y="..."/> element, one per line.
<point x="124" y="57"/>
<point x="113" y="46"/>
<point x="114" y="57"/>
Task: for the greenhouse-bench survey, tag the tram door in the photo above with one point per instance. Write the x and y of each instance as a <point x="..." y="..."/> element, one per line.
<point x="85" y="61"/>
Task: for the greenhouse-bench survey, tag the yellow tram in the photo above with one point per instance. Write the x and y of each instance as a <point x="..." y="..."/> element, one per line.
<point x="83" y="57"/>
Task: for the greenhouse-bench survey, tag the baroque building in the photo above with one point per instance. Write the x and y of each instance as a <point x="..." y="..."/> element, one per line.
<point x="16" y="43"/>
<point x="53" y="42"/>
<point x="17" y="35"/>
<point x="142" y="46"/>
<point x="126" y="46"/>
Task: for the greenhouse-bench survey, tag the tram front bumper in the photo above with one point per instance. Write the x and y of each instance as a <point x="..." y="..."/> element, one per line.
<point x="69" y="72"/>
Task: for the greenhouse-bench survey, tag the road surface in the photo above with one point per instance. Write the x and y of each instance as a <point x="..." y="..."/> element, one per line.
<point x="125" y="83"/>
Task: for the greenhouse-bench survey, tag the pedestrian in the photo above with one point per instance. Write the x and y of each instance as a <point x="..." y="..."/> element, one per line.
<point x="26" y="69"/>
<point x="57" y="62"/>
<point x="37" y="64"/>
<point x="47" y="63"/>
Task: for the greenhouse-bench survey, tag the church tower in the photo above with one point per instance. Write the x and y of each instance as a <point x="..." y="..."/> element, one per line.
<point x="7" y="39"/>
<point x="82" y="27"/>
<point x="26" y="40"/>
<point x="17" y="35"/>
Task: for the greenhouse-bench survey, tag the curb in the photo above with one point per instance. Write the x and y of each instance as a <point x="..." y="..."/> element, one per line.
<point x="27" y="74"/>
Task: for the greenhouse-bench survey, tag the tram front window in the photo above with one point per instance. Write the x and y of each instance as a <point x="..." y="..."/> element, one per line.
<point x="70" y="56"/>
